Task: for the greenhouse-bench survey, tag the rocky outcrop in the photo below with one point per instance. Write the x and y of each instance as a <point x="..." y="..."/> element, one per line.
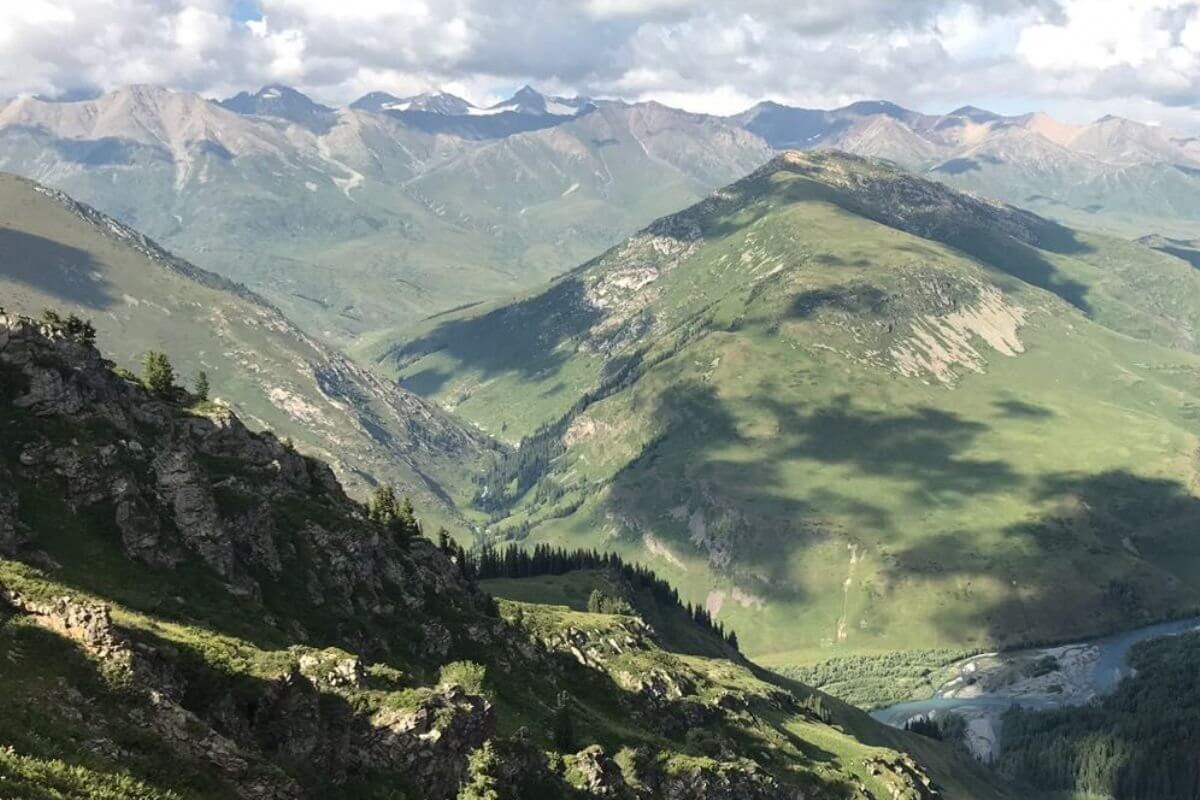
<point x="597" y="775"/>
<point x="151" y="679"/>
<point x="595" y="647"/>
<point x="431" y="743"/>
<point x="714" y="780"/>
<point x="90" y="624"/>
<point x="180" y="485"/>
<point x="904" y="779"/>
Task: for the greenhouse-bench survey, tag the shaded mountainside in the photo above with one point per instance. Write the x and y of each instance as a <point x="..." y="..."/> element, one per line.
<point x="190" y="609"/>
<point x="356" y="219"/>
<point x="56" y="253"/>
<point x="851" y="410"/>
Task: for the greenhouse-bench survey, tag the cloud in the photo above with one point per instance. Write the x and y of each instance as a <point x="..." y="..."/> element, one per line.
<point x="1076" y="57"/>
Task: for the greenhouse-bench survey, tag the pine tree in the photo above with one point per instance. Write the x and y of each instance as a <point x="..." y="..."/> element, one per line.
<point x="157" y="373"/>
<point x="201" y="385"/>
<point x="595" y="602"/>
<point x="563" y="726"/>
<point x="382" y="507"/>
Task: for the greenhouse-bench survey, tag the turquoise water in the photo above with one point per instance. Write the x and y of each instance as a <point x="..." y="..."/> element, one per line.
<point x="1112" y="664"/>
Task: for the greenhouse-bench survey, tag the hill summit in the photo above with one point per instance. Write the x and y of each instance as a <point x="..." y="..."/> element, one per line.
<point x="845" y="407"/>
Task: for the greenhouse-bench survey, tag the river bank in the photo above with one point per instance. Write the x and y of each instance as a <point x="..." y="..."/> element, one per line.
<point x="984" y="686"/>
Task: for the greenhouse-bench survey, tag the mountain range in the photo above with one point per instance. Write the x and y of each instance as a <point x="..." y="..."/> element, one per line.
<point x="1113" y="173"/>
<point x="370" y="217"/>
<point x="373" y="221"/>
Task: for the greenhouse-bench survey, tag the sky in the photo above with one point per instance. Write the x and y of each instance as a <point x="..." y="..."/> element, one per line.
<point x="1076" y="59"/>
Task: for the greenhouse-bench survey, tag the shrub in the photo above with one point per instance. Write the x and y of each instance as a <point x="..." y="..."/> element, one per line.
<point x="467" y="674"/>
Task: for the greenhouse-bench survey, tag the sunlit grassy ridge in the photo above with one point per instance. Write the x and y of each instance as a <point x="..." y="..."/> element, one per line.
<point x="852" y="411"/>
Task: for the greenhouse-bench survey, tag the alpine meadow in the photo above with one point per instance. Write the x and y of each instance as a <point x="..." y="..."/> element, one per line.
<point x="569" y="399"/>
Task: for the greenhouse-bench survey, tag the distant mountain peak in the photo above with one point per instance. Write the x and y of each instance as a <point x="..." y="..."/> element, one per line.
<point x="875" y="107"/>
<point x="436" y="102"/>
<point x="281" y="102"/>
<point x="528" y="100"/>
<point x="975" y="114"/>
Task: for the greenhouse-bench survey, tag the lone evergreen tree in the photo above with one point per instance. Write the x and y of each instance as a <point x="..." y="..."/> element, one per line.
<point x="595" y="602"/>
<point x="564" y="726"/>
<point x="383" y="507"/>
<point x="158" y="374"/>
<point x="201" y="385"/>
<point x="80" y="330"/>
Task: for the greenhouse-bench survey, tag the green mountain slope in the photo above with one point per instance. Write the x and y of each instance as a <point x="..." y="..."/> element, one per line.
<point x="848" y="409"/>
<point x="189" y="609"/>
<point x="55" y="253"/>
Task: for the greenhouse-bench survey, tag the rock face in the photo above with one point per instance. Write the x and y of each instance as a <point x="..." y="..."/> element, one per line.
<point x="182" y="487"/>
<point x="432" y="742"/>
<point x="599" y="775"/>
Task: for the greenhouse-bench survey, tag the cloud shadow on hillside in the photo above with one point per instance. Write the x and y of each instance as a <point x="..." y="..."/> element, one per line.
<point x="849" y="298"/>
<point x="922" y="446"/>
<point x="522" y="338"/>
<point x="1189" y="254"/>
<point x="1103" y="559"/>
<point x="750" y="516"/>
<point x="68" y="274"/>
<point x="1019" y="409"/>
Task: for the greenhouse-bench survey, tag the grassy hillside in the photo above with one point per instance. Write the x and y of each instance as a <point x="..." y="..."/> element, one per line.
<point x="188" y="609"/>
<point x="850" y="410"/>
<point x="58" y="254"/>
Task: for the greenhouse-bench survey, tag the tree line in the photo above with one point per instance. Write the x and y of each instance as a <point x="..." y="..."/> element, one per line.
<point x="515" y="561"/>
<point x="1142" y="742"/>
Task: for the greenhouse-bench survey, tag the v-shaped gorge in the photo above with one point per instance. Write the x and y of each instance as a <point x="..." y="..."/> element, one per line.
<point x="846" y="408"/>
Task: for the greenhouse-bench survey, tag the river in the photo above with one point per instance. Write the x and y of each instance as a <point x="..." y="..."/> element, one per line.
<point x="985" y="686"/>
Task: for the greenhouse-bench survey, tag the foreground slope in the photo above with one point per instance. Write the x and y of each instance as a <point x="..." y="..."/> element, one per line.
<point x="188" y="609"/>
<point x="849" y="409"/>
<point x="55" y="253"/>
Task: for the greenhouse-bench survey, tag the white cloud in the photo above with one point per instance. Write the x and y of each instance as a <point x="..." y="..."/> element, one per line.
<point x="1072" y="57"/>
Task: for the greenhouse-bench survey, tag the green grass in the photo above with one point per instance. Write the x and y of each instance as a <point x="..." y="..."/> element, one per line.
<point x="873" y="681"/>
<point x="772" y="459"/>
